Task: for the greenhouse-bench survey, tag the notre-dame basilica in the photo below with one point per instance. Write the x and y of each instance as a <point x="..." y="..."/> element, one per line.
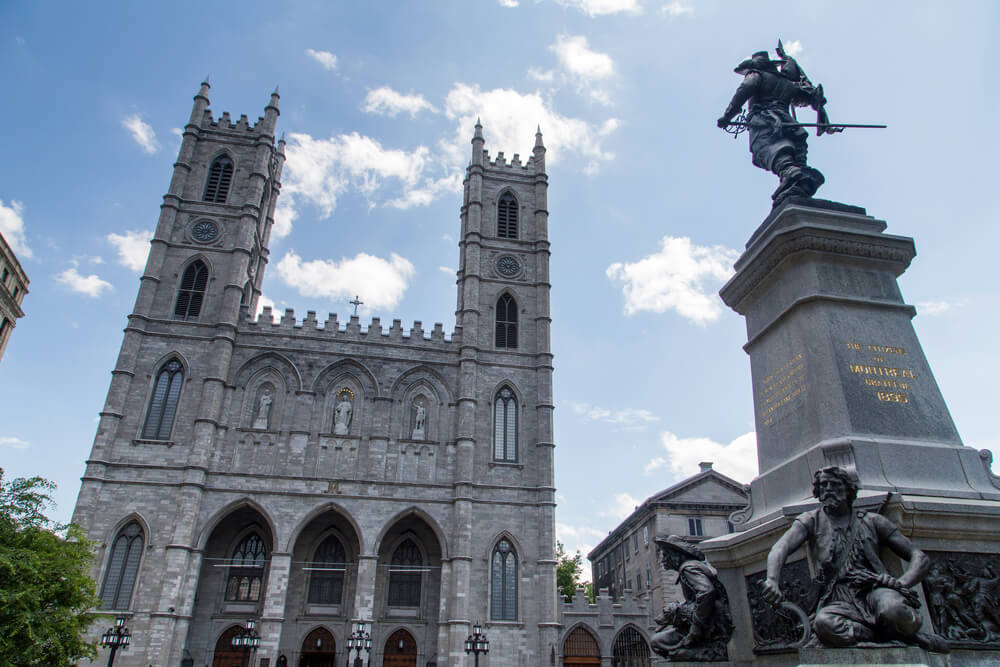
<point x="314" y="476"/>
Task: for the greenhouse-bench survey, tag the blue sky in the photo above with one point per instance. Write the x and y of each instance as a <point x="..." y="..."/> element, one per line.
<point x="649" y="201"/>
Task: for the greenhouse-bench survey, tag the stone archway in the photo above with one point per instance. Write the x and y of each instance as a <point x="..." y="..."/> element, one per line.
<point x="225" y="654"/>
<point x="319" y="649"/>
<point x="630" y="649"/>
<point x="580" y="649"/>
<point x="400" y="650"/>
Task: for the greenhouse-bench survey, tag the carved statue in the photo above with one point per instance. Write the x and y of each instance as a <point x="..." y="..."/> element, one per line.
<point x="777" y="140"/>
<point x="342" y="414"/>
<point x="698" y="628"/>
<point x="419" y="420"/>
<point x="856" y="599"/>
<point x="263" y="411"/>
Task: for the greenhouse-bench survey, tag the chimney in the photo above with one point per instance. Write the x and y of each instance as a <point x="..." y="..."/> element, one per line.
<point x="705" y="466"/>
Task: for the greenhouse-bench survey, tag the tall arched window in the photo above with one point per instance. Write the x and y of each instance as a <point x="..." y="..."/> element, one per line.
<point x="503" y="582"/>
<point x="246" y="569"/>
<point x="192" y="291"/>
<point x="326" y="576"/>
<point x="404" y="575"/>
<point x="506" y="322"/>
<point x="507" y="216"/>
<point x="163" y="403"/>
<point x="505" y="426"/>
<point x="123" y="566"/>
<point x="220" y="176"/>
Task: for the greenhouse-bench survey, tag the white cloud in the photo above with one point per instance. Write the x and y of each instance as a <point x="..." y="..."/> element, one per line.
<point x="737" y="459"/>
<point x="508" y="3"/>
<point x="677" y="8"/>
<point x="677" y="277"/>
<point x="633" y="418"/>
<point x="142" y="133"/>
<point x="793" y="47"/>
<point x="622" y="504"/>
<point x="574" y="53"/>
<point x="446" y="270"/>
<point x="588" y="70"/>
<point x="12" y="228"/>
<point x="510" y="119"/>
<point x="602" y="7"/>
<point x="284" y="215"/>
<point x="91" y="285"/>
<point x="388" y="102"/>
<point x="933" y="307"/>
<point x="324" y="58"/>
<point x="380" y="282"/>
<point x="132" y="246"/>
<point x="539" y="75"/>
<point x="14" y="443"/>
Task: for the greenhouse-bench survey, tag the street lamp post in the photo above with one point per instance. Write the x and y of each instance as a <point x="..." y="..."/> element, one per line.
<point x="116" y="638"/>
<point x="477" y="642"/>
<point x="359" y="640"/>
<point x="248" y="640"/>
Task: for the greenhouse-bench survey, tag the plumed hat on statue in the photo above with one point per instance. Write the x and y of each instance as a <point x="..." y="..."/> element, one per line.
<point x="679" y="546"/>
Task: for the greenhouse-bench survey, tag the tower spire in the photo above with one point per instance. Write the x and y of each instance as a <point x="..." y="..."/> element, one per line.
<point x="477" y="143"/>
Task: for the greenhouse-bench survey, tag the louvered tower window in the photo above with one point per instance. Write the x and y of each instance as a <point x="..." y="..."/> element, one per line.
<point x="404" y="575"/>
<point x="326" y="577"/>
<point x="191" y="294"/>
<point x="119" y="580"/>
<point x="163" y="403"/>
<point x="507" y="217"/>
<point x="220" y="177"/>
<point x="246" y="569"/>
<point x="506" y="332"/>
<point x="505" y="426"/>
<point x="503" y="583"/>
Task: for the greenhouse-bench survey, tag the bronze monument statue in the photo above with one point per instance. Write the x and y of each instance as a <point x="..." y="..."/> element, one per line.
<point x="855" y="598"/>
<point x="772" y="89"/>
<point x="698" y="628"/>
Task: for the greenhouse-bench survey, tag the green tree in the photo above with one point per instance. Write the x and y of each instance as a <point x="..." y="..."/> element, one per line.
<point x="46" y="595"/>
<point x="568" y="571"/>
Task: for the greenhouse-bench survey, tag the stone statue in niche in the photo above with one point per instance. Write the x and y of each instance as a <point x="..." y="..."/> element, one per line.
<point x="342" y="413"/>
<point x="699" y="628"/>
<point x="419" y="422"/>
<point x="263" y="419"/>
<point x="854" y="599"/>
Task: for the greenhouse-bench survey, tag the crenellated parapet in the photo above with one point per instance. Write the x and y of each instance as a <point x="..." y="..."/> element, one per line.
<point x="288" y="324"/>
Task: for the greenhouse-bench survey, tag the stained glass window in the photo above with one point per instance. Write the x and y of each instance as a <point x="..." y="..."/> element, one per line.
<point x="123" y="566"/>
<point x="404" y="575"/>
<point x="246" y="569"/>
<point x="326" y="576"/>
<point x="503" y="582"/>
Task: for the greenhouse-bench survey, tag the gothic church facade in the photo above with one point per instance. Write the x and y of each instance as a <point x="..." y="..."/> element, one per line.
<point x="313" y="477"/>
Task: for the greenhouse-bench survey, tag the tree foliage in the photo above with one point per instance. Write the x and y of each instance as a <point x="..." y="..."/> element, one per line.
<point x="46" y="593"/>
<point x="568" y="570"/>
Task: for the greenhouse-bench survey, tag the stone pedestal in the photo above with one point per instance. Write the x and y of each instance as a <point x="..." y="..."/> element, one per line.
<point x="839" y="378"/>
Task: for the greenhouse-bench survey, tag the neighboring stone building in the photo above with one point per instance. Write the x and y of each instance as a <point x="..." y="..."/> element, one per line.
<point x="695" y="508"/>
<point x="313" y="477"/>
<point x="13" y="287"/>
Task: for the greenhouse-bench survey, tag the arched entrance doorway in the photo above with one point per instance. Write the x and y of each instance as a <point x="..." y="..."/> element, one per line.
<point x="318" y="649"/>
<point x="630" y="649"/>
<point x="225" y="655"/>
<point x="400" y="650"/>
<point x="580" y="648"/>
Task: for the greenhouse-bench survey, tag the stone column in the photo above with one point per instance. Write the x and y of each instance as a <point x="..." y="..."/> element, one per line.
<point x="273" y="613"/>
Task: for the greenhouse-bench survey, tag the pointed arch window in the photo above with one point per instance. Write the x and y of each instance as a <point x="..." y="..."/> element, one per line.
<point x="505" y="426"/>
<point x="506" y="331"/>
<point x="507" y="216"/>
<point x="246" y="570"/>
<point x="123" y="566"/>
<point x="630" y="649"/>
<point x="326" y="578"/>
<point x="163" y="402"/>
<point x="220" y="177"/>
<point x="503" y="582"/>
<point x="191" y="294"/>
<point x="405" y="574"/>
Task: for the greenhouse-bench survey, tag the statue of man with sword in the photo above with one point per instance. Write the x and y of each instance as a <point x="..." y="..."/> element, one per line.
<point x="777" y="139"/>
